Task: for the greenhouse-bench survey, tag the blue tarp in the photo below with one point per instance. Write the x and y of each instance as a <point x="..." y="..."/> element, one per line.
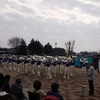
<point x="78" y="62"/>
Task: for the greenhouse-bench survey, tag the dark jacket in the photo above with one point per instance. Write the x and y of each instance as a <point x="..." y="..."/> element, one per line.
<point x="17" y="90"/>
<point x="6" y="87"/>
<point x="56" y="94"/>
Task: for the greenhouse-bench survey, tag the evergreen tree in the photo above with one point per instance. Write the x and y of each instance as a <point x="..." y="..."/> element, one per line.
<point x="47" y="49"/>
<point x="35" y="47"/>
<point x="22" y="49"/>
<point x="31" y="46"/>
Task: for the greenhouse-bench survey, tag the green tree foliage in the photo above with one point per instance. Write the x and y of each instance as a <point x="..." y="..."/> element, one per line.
<point x="35" y="47"/>
<point x="31" y="46"/>
<point x="22" y="49"/>
<point x="47" y="49"/>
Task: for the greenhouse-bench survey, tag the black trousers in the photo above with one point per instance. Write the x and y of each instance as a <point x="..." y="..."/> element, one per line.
<point x="91" y="87"/>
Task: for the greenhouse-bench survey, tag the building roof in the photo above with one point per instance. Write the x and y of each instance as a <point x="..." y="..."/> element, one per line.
<point x="58" y="52"/>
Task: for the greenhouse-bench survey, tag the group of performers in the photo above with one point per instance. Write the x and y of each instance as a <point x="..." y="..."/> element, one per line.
<point x="49" y="66"/>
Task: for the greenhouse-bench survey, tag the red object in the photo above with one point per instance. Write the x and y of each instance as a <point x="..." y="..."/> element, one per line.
<point x="50" y="97"/>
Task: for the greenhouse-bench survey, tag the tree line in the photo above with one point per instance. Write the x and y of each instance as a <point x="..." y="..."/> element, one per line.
<point x="34" y="47"/>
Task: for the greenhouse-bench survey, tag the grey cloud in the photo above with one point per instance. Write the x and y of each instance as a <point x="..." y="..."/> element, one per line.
<point x="50" y="30"/>
<point x="40" y="29"/>
<point x="85" y="8"/>
<point x="27" y="10"/>
<point x="23" y="1"/>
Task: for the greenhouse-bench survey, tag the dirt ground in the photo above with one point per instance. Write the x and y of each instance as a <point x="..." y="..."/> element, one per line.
<point x="69" y="88"/>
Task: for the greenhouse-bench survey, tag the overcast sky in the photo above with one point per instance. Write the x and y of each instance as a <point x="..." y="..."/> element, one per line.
<point x="54" y="21"/>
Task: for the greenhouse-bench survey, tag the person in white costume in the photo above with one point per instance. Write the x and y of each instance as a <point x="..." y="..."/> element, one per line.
<point x="43" y="65"/>
<point x="83" y="66"/>
<point x="72" y="67"/>
<point x="26" y="65"/>
<point x="67" y="68"/>
<point x="32" y="66"/>
<point x="55" y="66"/>
<point x="38" y="68"/>
<point x="48" y="69"/>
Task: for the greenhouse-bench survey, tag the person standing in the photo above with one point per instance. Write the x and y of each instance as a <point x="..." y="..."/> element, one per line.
<point x="90" y="75"/>
<point x="67" y="69"/>
<point x="83" y="67"/>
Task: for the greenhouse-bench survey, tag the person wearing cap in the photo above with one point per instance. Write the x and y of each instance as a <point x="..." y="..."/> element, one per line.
<point x="54" y="91"/>
<point x="17" y="90"/>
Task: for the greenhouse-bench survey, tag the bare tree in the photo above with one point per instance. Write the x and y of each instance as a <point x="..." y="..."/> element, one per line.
<point x="70" y="47"/>
<point x="14" y="42"/>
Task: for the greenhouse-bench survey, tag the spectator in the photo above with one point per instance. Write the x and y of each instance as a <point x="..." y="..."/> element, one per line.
<point x="37" y="87"/>
<point x="6" y="86"/>
<point x="90" y="75"/>
<point x="17" y="90"/>
<point x="3" y="94"/>
<point x="54" y="91"/>
<point x="2" y="79"/>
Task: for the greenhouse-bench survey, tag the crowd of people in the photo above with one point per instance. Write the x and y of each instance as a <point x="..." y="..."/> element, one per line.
<point x="49" y="65"/>
<point x="15" y="91"/>
<point x="5" y="88"/>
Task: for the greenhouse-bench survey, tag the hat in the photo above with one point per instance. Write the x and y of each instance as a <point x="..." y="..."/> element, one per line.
<point x="18" y="81"/>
